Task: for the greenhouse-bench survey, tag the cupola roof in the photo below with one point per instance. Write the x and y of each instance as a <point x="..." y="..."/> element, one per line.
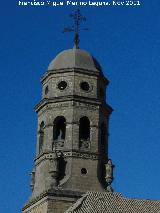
<point x="74" y="58"/>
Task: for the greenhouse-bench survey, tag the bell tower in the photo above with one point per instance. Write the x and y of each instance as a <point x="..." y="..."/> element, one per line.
<point x="72" y="134"/>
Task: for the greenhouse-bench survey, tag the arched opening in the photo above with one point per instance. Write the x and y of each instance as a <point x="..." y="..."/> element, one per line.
<point x="84" y="129"/>
<point x="101" y="94"/>
<point x="46" y="90"/>
<point x="103" y="134"/>
<point x="103" y="137"/>
<point x="59" y="128"/>
<point x="84" y="132"/>
<point x="41" y="137"/>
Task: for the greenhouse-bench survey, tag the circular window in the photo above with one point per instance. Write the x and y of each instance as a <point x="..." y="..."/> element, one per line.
<point x="62" y="85"/>
<point x="85" y="86"/>
<point x="83" y="171"/>
<point x="46" y="90"/>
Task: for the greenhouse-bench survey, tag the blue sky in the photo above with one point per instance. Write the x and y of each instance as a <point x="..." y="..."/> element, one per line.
<point x="126" y="42"/>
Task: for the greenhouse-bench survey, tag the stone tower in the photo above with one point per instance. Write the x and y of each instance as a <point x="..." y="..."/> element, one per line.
<point x="72" y="135"/>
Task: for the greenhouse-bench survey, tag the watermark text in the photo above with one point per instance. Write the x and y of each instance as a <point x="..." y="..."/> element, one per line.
<point x="113" y="3"/>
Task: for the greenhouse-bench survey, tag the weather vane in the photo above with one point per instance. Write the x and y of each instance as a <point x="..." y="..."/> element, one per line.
<point x="78" y="18"/>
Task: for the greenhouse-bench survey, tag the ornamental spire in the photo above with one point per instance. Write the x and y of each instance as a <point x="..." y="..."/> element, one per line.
<point x="78" y="18"/>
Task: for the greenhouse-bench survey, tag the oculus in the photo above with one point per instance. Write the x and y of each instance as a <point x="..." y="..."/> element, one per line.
<point x="83" y="171"/>
<point x="85" y="86"/>
<point x="62" y="85"/>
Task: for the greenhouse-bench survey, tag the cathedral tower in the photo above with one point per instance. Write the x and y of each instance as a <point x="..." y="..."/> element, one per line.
<point x="72" y="135"/>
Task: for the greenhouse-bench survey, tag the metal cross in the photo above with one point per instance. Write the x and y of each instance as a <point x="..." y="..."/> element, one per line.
<point x="78" y="18"/>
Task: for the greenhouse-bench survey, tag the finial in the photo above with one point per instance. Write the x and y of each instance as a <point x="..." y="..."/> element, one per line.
<point x="78" y="18"/>
<point x="109" y="175"/>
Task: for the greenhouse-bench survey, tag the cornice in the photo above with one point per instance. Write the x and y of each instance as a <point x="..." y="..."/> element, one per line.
<point x="68" y="153"/>
<point x="68" y="98"/>
<point x="69" y="70"/>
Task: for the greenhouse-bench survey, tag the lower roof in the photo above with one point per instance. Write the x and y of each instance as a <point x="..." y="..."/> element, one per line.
<point x="111" y="202"/>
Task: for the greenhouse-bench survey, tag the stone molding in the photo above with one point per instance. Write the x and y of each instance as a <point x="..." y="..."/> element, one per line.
<point x="45" y="156"/>
<point x="65" y="153"/>
<point x="92" y="156"/>
<point x="70" y="100"/>
<point x="74" y="70"/>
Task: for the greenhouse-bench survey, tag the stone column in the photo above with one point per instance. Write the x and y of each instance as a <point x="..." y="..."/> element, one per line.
<point x="75" y="139"/>
<point x="68" y="138"/>
<point x="94" y="138"/>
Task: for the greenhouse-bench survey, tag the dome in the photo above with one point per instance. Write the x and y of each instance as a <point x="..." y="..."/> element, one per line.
<point x="74" y="58"/>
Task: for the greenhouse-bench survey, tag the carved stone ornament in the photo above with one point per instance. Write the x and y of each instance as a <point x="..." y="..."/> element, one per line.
<point x="91" y="156"/>
<point x="58" y="144"/>
<point x="32" y="180"/>
<point x="84" y="144"/>
<point x="109" y="175"/>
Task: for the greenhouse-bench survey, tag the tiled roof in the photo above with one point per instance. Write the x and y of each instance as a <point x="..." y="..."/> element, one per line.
<point x="107" y="202"/>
